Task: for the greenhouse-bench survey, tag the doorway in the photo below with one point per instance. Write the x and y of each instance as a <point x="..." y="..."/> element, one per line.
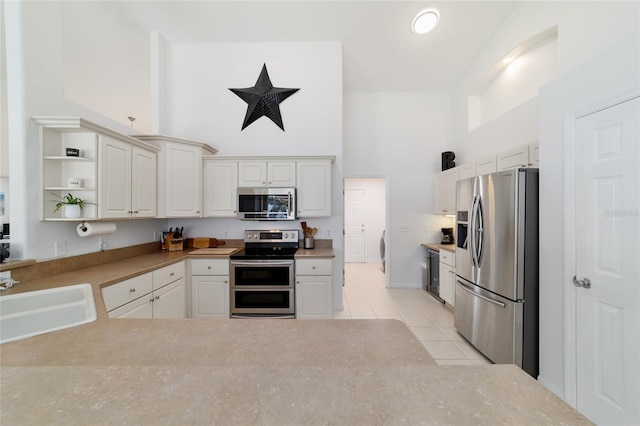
<point x="365" y="219"/>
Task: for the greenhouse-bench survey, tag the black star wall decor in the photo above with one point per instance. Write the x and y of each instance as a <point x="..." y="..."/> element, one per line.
<point x="263" y="99"/>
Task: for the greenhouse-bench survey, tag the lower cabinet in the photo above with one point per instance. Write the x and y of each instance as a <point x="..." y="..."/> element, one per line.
<point x="447" y="277"/>
<point x="210" y="288"/>
<point x="157" y="294"/>
<point x="314" y="288"/>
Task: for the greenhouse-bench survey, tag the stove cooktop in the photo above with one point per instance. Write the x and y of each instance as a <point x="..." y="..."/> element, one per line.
<point x="265" y="253"/>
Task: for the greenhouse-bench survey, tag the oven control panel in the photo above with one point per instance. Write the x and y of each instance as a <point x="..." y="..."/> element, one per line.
<point x="272" y="236"/>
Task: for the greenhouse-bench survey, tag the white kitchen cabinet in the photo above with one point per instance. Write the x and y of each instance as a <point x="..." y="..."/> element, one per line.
<point x="447" y="276"/>
<point x="210" y="288"/>
<point x="534" y="154"/>
<point x="272" y="173"/>
<point x="486" y="166"/>
<point x="313" y="188"/>
<point x="220" y="184"/>
<point x="126" y="180"/>
<point x="513" y="158"/>
<point x="446" y="191"/>
<point x="180" y="176"/>
<point x="157" y="294"/>
<point x="113" y="172"/>
<point x="314" y="288"/>
<point x="466" y="171"/>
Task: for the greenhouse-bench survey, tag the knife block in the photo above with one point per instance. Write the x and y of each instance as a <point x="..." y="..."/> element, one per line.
<point x="174" y="244"/>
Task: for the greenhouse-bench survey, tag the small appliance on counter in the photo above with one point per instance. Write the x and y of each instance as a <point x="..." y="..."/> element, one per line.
<point x="447" y="236"/>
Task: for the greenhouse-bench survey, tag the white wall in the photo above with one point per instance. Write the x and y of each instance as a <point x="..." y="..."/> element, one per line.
<point x="200" y="106"/>
<point x="560" y="103"/>
<point x="400" y="136"/>
<point x="585" y="29"/>
<point x="36" y="70"/>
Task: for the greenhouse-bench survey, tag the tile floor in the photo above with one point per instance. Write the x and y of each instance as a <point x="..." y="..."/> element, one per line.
<point x="366" y="297"/>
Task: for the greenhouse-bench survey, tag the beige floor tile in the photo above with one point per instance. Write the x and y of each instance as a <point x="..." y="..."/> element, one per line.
<point x="428" y="333"/>
<point x="451" y="333"/>
<point x="443" y="350"/>
<point x="454" y="362"/>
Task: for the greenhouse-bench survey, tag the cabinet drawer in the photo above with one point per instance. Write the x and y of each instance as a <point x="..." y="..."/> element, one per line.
<point x="447" y="257"/>
<point x="168" y="274"/>
<point x="126" y="291"/>
<point x="313" y="267"/>
<point x="209" y="267"/>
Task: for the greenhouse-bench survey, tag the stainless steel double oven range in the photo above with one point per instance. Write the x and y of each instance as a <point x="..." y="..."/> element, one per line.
<point x="262" y="275"/>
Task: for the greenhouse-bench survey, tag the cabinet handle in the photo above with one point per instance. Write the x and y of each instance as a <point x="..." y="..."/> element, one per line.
<point x="151" y="300"/>
<point x="135" y="212"/>
<point x="209" y="267"/>
<point x="132" y="290"/>
<point x="313" y="267"/>
<point x="198" y="211"/>
<point x="157" y="297"/>
<point x="225" y="281"/>
<point x="172" y="274"/>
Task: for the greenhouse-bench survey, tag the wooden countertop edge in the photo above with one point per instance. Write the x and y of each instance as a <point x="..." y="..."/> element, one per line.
<point x="435" y="246"/>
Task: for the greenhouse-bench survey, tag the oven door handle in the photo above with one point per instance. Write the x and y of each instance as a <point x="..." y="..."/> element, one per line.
<point x="262" y="262"/>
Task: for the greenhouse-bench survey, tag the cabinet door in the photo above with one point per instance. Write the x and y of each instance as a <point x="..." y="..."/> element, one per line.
<point x="486" y="166"/>
<point x="446" y="288"/>
<point x="170" y="301"/>
<point x="115" y="178"/>
<point x="143" y="182"/>
<point x="314" y="297"/>
<point x="281" y="174"/>
<point x="252" y="173"/>
<point x="183" y="173"/>
<point x="517" y="157"/>
<point x="534" y="154"/>
<point x="140" y="308"/>
<point x="450" y="183"/>
<point x="441" y="193"/>
<point x="210" y="296"/>
<point x="313" y="188"/>
<point x="220" y="184"/>
<point x="467" y="171"/>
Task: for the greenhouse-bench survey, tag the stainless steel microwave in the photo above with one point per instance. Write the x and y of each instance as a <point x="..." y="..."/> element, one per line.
<point x="266" y="203"/>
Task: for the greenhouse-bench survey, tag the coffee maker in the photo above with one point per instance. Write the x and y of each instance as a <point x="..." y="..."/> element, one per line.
<point x="447" y="236"/>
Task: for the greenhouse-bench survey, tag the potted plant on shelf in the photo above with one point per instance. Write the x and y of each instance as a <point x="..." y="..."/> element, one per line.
<point x="71" y="206"/>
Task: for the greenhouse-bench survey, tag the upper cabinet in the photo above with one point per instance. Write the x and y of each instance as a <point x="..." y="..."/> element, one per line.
<point x="98" y="165"/>
<point x="272" y="173"/>
<point x="313" y="187"/>
<point x="534" y="154"/>
<point x="513" y="158"/>
<point x="446" y="191"/>
<point x="220" y="184"/>
<point x="179" y="175"/>
<point x="486" y="166"/>
<point x="127" y="184"/>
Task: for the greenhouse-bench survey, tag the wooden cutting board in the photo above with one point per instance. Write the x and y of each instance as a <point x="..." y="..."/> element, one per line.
<point x="216" y="250"/>
<point x="202" y="242"/>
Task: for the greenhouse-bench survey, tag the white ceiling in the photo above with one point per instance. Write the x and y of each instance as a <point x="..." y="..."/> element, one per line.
<point x="380" y="51"/>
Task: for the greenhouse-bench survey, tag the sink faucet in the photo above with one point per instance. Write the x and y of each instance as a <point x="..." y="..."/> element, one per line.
<point x="6" y="283"/>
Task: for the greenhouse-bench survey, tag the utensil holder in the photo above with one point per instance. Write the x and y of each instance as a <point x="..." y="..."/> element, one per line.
<point x="308" y="242"/>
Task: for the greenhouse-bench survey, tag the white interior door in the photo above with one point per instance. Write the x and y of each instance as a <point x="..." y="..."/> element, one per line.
<point x="608" y="255"/>
<point x="355" y="216"/>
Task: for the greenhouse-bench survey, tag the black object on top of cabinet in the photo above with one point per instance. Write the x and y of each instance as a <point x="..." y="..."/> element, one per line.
<point x="448" y="160"/>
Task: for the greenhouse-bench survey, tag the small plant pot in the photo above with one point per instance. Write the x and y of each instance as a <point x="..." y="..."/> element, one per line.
<point x="71" y="211"/>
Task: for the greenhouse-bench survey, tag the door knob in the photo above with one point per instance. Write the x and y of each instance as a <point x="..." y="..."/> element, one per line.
<point x="582" y="282"/>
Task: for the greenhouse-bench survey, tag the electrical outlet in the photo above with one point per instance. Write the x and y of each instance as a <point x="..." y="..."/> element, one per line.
<point x="226" y="233"/>
<point x="60" y="248"/>
<point x="328" y="233"/>
<point x="103" y="243"/>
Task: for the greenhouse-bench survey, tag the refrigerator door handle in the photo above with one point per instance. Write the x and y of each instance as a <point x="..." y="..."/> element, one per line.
<point x="486" y="299"/>
<point x="480" y="242"/>
<point x="472" y="233"/>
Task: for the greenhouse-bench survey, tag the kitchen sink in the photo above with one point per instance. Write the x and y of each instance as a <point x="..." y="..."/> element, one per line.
<point x="37" y="312"/>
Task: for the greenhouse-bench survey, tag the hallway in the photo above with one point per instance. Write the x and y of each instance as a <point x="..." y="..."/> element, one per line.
<point x="365" y="297"/>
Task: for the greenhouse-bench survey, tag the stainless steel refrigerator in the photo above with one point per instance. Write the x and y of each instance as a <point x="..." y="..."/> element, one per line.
<point x="496" y="293"/>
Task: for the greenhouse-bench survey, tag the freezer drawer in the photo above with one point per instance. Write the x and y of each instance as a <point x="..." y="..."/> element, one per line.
<point x="489" y="322"/>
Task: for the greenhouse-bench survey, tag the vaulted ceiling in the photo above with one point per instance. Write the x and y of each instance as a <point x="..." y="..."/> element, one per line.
<point x="380" y="51"/>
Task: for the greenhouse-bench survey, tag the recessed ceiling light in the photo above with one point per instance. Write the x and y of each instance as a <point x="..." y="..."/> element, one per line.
<point x="425" y="21"/>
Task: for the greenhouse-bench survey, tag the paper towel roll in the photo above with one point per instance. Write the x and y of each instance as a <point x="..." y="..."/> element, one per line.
<point x="86" y="229"/>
